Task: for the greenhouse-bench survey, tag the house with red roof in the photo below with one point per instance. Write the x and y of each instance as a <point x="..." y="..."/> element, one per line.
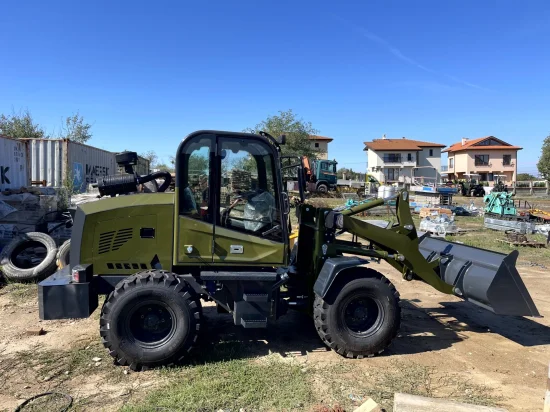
<point x="486" y="156"/>
<point x="320" y="144"/>
<point x="399" y="160"/>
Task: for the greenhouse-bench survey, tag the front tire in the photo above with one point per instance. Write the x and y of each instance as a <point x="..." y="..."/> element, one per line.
<point x="361" y="319"/>
<point x="322" y="188"/>
<point x="151" y="319"/>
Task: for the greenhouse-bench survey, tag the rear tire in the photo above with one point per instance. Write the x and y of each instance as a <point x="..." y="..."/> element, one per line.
<point x="361" y="319"/>
<point x="151" y="319"/>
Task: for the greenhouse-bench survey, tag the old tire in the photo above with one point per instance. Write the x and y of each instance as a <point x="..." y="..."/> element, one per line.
<point x="322" y="188"/>
<point x="64" y="254"/>
<point x="151" y="319"/>
<point x="16" y="269"/>
<point x="359" y="318"/>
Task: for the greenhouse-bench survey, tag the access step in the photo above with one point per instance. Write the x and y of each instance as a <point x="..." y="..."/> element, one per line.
<point x="256" y="297"/>
<point x="253" y="323"/>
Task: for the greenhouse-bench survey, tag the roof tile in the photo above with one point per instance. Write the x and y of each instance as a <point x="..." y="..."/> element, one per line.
<point x="471" y="144"/>
<point x="399" y="144"/>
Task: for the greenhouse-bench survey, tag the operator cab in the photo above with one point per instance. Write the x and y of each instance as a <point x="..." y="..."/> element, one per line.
<point x="229" y="187"/>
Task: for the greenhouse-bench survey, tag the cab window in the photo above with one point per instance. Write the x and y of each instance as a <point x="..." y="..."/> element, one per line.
<point x="248" y="194"/>
<point x="194" y="189"/>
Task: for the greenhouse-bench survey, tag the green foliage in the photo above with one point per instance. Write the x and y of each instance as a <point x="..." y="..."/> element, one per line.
<point x="350" y="174"/>
<point x="21" y="125"/>
<point x="163" y="167"/>
<point x="297" y="133"/>
<point x="544" y="162"/>
<point x="75" y="129"/>
<point x="525" y="176"/>
<point x="198" y="163"/>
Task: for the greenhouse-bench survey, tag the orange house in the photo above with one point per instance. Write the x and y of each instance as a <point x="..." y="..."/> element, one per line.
<point x="486" y="156"/>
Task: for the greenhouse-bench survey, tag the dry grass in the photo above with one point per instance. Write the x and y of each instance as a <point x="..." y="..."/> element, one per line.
<point x="350" y="386"/>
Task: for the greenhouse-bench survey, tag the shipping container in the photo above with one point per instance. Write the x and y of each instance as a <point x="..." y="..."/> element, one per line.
<point x="13" y="164"/>
<point x="61" y="162"/>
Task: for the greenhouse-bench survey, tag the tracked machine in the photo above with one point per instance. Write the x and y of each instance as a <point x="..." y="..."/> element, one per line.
<point x="227" y="238"/>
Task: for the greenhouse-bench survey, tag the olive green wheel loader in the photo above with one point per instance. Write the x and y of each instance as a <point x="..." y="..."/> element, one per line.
<point x="225" y="235"/>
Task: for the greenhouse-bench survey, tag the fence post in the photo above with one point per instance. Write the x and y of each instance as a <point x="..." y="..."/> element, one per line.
<point x="531" y="188"/>
<point x="514" y="188"/>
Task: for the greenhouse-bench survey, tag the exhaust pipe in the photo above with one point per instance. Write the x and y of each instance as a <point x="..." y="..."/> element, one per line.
<point x="488" y="279"/>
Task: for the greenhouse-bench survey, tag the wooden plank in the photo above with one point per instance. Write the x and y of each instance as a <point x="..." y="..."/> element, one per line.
<point x="547" y="398"/>
<point x="411" y="403"/>
<point x="529" y="243"/>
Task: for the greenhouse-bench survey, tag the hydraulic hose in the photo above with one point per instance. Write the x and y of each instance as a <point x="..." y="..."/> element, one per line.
<point x="156" y="175"/>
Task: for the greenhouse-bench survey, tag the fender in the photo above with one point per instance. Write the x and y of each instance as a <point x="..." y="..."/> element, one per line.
<point x="331" y="269"/>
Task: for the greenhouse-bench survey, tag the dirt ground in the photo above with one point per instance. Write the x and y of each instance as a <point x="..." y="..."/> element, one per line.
<point x="509" y="355"/>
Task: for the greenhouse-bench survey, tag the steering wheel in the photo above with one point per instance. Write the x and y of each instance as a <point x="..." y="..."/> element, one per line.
<point x="225" y="215"/>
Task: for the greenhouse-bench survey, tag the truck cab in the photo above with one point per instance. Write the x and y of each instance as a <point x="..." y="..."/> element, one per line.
<point x="321" y="175"/>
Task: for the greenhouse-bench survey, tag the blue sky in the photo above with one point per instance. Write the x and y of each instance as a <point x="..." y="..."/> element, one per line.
<point x="148" y="73"/>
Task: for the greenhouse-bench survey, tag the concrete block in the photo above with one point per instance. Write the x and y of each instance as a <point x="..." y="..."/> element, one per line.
<point x="412" y="403"/>
<point x="369" y="406"/>
<point x="36" y="331"/>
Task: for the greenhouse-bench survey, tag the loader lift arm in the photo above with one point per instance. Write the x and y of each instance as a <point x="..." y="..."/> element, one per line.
<point x="485" y="278"/>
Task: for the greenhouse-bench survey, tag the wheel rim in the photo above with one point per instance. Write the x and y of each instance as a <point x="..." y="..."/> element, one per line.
<point x="151" y="323"/>
<point x="29" y="255"/>
<point x="362" y="315"/>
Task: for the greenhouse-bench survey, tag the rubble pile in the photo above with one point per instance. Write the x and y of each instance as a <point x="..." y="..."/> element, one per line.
<point x="440" y="225"/>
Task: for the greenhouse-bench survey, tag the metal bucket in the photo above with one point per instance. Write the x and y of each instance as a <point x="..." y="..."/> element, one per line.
<point x="488" y="279"/>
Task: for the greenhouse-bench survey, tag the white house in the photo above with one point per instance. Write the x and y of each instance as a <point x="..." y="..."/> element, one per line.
<point x="320" y="144"/>
<point x="395" y="160"/>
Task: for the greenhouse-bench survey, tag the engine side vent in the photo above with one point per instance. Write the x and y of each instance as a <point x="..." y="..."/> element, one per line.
<point x="122" y="236"/>
<point x="105" y="240"/>
<point x="113" y="240"/>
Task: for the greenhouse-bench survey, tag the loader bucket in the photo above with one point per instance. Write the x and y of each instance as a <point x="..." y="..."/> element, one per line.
<point x="488" y="279"/>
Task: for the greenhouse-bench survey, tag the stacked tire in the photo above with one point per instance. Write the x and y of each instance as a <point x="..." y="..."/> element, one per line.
<point x="20" y="269"/>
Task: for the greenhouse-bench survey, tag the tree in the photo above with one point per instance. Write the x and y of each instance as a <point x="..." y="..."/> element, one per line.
<point x="150" y="155"/>
<point x="163" y="167"/>
<point x="21" y="125"/>
<point x="74" y="129"/>
<point x="297" y="133"/>
<point x="525" y="176"/>
<point x="544" y="162"/>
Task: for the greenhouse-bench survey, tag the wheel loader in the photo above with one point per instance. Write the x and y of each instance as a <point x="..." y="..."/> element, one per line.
<point x="226" y="237"/>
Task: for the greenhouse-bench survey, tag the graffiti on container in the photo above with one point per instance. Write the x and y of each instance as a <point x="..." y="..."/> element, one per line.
<point x="83" y="176"/>
<point x="18" y="156"/>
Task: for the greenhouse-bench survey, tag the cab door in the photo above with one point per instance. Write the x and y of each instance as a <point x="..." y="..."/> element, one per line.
<point x="194" y="201"/>
<point x="250" y="223"/>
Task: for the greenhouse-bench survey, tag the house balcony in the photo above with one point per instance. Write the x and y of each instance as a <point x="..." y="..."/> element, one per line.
<point x="398" y="161"/>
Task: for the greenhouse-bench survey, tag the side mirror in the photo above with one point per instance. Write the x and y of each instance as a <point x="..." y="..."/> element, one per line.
<point x="281" y="139"/>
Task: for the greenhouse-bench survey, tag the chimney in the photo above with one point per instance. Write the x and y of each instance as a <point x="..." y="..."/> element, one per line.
<point x="384" y="136"/>
<point x="464" y="140"/>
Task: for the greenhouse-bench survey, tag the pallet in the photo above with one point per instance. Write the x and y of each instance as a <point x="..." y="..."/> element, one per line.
<point x="529" y="243"/>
